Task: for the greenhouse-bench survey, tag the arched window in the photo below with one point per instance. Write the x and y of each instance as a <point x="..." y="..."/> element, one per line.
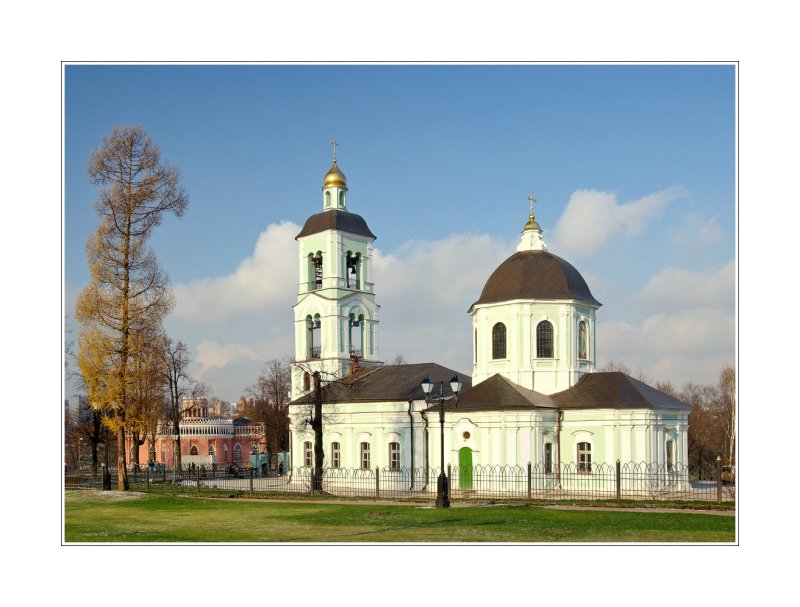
<point x="317" y="260"/>
<point x="365" y="456"/>
<point x="163" y="454"/>
<point x="499" y="341"/>
<point x="152" y="454"/>
<point x="211" y="450"/>
<point x="327" y="199"/>
<point x="583" y="341"/>
<point x="670" y="456"/>
<point x="306" y="381"/>
<point x="193" y="450"/>
<point x="544" y="340"/>
<point x="225" y="453"/>
<point x="336" y="455"/>
<point x="237" y="453"/>
<point x="356" y="337"/>
<point x="307" y="454"/>
<point x="585" y="458"/>
<point x="254" y="449"/>
<point x="341" y="200"/>
<point x="313" y="325"/>
<point x="394" y="456"/>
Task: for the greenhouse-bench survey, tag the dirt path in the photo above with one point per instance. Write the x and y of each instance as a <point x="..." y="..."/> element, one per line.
<point x="474" y="505"/>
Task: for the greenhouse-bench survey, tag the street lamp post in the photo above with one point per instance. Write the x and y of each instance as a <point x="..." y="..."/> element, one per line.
<point x="174" y="456"/>
<point x="80" y="441"/>
<point x="442" y="486"/>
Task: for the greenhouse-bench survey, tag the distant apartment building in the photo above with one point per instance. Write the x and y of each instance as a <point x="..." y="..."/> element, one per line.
<point x="77" y="407"/>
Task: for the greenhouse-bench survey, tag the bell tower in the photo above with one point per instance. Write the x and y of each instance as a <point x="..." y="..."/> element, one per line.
<point x="336" y="316"/>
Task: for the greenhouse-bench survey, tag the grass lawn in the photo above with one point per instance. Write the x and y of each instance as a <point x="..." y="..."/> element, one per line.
<point x="93" y="516"/>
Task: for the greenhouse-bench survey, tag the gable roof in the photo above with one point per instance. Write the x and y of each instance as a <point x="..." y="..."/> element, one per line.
<point x="385" y="383"/>
<point x="614" y="390"/>
<point x="497" y="394"/>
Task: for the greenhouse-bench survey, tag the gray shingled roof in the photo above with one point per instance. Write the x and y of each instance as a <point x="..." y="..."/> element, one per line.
<point x="498" y="394"/>
<point x="602" y="390"/>
<point x="614" y="390"/>
<point x="386" y="383"/>
<point x="334" y="219"/>
<point x="535" y="275"/>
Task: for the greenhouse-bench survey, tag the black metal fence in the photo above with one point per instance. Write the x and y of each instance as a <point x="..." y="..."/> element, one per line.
<point x="630" y="481"/>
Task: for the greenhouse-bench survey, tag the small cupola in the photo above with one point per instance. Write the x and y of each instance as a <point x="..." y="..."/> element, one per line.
<point x="335" y="177"/>
<point x="531" y="233"/>
<point x="334" y="186"/>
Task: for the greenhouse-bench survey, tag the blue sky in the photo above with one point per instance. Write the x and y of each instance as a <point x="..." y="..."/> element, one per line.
<point x="633" y="167"/>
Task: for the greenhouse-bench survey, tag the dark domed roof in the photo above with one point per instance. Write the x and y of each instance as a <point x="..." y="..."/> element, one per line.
<point x="535" y="275"/>
<point x="335" y="219"/>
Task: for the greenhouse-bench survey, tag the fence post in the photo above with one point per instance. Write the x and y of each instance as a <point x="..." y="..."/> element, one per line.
<point x="719" y="480"/>
<point x="252" y="474"/>
<point x="197" y="479"/>
<point x="529" y="480"/>
<point x="449" y="486"/>
<point x="148" y="478"/>
<point x="377" y="481"/>
<point x="619" y="483"/>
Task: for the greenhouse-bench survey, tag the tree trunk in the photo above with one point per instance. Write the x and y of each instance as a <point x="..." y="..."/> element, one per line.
<point x="316" y="425"/>
<point x="122" y="472"/>
<point x="177" y="431"/>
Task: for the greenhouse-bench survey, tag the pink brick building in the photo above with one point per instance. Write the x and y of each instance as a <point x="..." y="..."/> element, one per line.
<point x="204" y="440"/>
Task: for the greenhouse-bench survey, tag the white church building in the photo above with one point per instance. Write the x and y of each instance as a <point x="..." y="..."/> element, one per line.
<point x="534" y="395"/>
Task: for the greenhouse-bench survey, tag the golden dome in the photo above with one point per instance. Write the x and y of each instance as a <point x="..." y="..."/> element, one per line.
<point x="335" y="177"/>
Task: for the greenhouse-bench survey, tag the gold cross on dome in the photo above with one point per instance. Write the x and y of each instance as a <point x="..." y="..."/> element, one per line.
<point x="531" y="199"/>
<point x="333" y="141"/>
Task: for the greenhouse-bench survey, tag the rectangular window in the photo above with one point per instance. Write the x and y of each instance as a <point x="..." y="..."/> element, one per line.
<point x="394" y="456"/>
<point x="585" y="458"/>
<point x="548" y="458"/>
<point x="307" y="454"/>
<point x="335" y="455"/>
<point x="365" y="456"/>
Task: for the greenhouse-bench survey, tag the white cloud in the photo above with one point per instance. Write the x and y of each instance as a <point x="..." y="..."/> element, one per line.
<point x="266" y="279"/>
<point x="698" y="232"/>
<point x="689" y="332"/>
<point x="676" y="288"/>
<point x="592" y="218"/>
<point x="213" y="355"/>
<point x="686" y="346"/>
<point x="425" y="289"/>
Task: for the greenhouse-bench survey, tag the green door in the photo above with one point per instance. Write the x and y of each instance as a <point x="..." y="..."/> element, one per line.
<point x="465" y="468"/>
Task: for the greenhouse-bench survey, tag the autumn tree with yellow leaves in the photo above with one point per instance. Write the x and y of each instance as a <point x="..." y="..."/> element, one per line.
<point x="128" y="295"/>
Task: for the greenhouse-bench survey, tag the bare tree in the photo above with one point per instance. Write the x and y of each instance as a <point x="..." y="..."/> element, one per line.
<point x="268" y="402"/>
<point x="128" y="293"/>
<point x="314" y="417"/>
<point x="727" y="386"/>
<point x="618" y="365"/>
<point x="399" y="360"/>
<point x="174" y="368"/>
